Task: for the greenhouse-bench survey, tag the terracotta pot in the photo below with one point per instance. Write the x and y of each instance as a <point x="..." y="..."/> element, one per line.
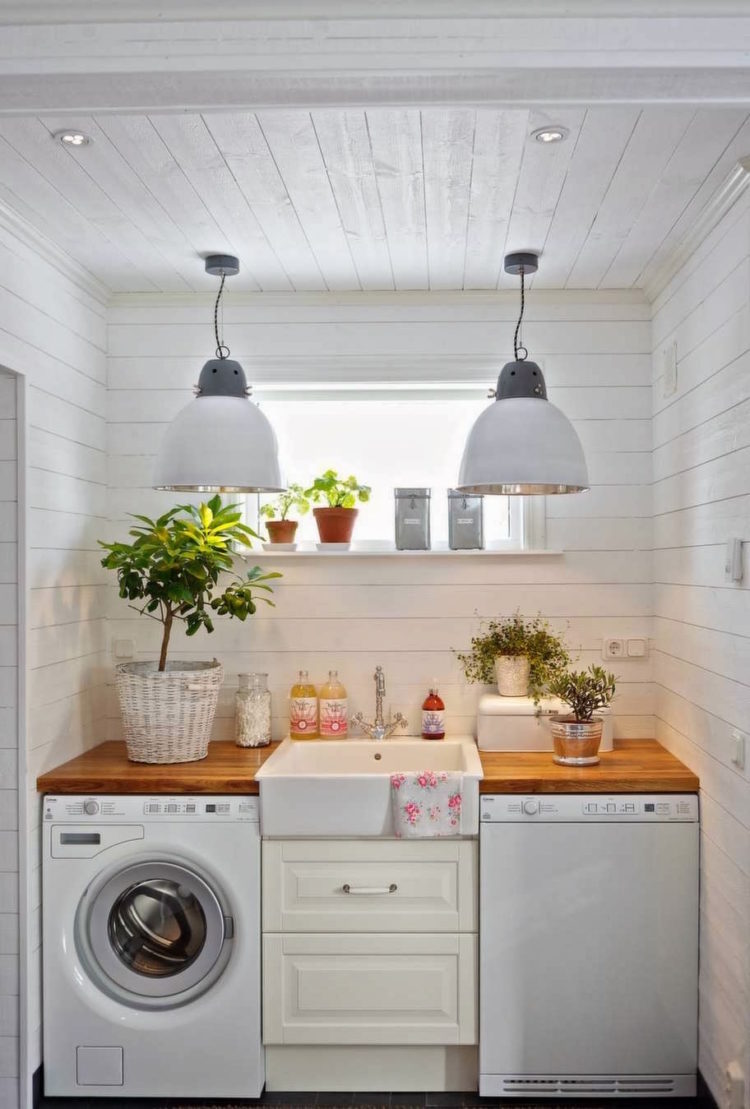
<point x="281" y="531"/>
<point x="335" y="525"/>
<point x="576" y="742"/>
<point x="512" y="673"/>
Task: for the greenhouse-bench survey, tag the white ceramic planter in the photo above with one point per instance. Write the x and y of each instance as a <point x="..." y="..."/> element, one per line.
<point x="512" y="672"/>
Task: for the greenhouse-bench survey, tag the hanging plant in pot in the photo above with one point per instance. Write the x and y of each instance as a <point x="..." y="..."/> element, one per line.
<point x="171" y="571"/>
<point x="336" y="520"/>
<point x="279" y="527"/>
<point x="522" y="656"/>
<point x="577" y="736"/>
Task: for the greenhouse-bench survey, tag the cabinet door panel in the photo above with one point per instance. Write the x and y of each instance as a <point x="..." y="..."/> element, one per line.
<point x="369" y="989"/>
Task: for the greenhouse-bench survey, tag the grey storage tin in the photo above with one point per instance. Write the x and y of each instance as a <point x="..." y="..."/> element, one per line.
<point x="412" y="519"/>
<point x="465" y="521"/>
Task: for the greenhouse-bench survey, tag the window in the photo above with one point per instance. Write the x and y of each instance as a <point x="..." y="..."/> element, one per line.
<point x="387" y="437"/>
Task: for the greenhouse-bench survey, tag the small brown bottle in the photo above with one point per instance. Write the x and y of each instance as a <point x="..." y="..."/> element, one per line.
<point x="433" y="715"/>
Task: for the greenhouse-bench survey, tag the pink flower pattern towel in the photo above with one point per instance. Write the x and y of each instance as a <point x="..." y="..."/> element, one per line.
<point x="427" y="804"/>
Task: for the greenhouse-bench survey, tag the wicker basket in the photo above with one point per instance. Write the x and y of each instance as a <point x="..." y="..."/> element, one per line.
<point x="167" y="716"/>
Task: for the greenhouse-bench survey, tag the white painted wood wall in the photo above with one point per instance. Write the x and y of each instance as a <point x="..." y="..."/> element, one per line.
<point x="702" y="622"/>
<point x="408" y="615"/>
<point x="9" y="863"/>
<point x="53" y="332"/>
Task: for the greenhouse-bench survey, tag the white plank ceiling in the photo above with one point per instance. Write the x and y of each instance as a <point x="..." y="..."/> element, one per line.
<point x="374" y="200"/>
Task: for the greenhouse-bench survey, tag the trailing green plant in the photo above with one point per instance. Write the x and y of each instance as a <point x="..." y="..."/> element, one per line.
<point x="516" y="635"/>
<point x="584" y="691"/>
<point x="293" y="497"/>
<point x="338" y="492"/>
<point x="173" y="567"/>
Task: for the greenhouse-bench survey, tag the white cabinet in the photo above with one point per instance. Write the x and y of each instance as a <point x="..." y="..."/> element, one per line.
<point x="370" y="989"/>
<point x="370" y="942"/>
<point x="369" y="886"/>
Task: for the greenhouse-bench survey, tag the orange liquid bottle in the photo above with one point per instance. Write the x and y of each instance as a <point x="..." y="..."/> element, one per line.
<point x="334" y="720"/>
<point x="303" y="708"/>
<point x="433" y="715"/>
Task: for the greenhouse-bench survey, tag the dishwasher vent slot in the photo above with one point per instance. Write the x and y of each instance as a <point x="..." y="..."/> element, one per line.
<point x="581" y="1085"/>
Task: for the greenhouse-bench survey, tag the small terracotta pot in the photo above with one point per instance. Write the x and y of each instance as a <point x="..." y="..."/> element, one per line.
<point x="335" y="525"/>
<point x="281" y="531"/>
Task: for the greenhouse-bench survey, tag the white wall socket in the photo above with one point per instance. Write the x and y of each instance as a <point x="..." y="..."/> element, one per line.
<point x="734" y="1086"/>
<point x="613" y="648"/>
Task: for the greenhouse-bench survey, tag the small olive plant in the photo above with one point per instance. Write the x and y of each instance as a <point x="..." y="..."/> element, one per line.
<point x="173" y="567"/>
<point x="338" y="492"/>
<point x="534" y="638"/>
<point x="584" y="691"/>
<point x="293" y="497"/>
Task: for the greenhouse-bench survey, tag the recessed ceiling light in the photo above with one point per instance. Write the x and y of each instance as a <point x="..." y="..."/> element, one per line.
<point x="72" y="138"/>
<point x="550" y="134"/>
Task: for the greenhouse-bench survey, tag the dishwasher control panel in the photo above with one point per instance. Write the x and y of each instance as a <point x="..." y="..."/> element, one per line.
<point x="540" y="807"/>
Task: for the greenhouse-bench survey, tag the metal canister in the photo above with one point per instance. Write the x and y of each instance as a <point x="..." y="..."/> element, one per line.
<point x="412" y="519"/>
<point x="465" y="521"/>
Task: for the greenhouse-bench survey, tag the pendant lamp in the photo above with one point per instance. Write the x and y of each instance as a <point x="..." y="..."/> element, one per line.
<point x="221" y="442"/>
<point x="522" y="444"/>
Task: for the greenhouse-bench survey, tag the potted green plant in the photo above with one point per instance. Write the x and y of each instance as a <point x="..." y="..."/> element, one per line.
<point x="521" y="655"/>
<point x="171" y="570"/>
<point x="576" y="737"/>
<point x="336" y="520"/>
<point x="279" y="527"/>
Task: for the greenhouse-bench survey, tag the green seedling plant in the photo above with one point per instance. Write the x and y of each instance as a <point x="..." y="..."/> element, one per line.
<point x="294" y="497"/>
<point x="338" y="492"/>
<point x="174" y="563"/>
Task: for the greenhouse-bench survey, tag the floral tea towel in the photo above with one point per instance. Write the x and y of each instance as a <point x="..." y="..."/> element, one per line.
<point x="427" y="804"/>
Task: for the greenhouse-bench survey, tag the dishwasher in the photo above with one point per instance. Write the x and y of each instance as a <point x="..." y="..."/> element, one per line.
<point x="588" y="945"/>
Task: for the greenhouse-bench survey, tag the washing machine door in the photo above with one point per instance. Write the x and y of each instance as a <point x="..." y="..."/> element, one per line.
<point x="156" y="930"/>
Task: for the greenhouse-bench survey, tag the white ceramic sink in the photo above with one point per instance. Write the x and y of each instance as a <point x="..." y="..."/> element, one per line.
<point x="342" y="787"/>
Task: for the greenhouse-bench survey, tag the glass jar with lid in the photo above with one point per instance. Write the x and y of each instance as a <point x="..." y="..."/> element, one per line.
<point x="253" y="725"/>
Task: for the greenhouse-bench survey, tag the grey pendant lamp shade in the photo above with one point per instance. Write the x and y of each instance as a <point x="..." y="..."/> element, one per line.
<point x="221" y="442"/>
<point x="522" y="444"/>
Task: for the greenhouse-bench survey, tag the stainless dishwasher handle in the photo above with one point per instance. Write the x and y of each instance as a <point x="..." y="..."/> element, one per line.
<point x="365" y="890"/>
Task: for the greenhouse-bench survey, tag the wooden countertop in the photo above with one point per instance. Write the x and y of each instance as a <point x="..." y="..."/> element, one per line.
<point x="635" y="766"/>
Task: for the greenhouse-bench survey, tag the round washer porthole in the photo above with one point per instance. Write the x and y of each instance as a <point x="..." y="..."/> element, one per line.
<point x="154" y="931"/>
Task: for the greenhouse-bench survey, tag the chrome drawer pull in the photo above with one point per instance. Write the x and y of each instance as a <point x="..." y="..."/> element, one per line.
<point x="346" y="888"/>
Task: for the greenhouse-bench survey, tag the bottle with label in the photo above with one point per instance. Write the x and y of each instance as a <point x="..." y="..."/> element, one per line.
<point x="433" y="715"/>
<point x="333" y="711"/>
<point x="303" y="708"/>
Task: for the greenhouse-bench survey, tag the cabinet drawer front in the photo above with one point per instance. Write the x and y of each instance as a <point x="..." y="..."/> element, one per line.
<point x="369" y="989"/>
<point x="357" y="886"/>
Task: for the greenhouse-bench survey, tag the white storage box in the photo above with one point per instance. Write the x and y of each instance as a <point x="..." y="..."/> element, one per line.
<point x="512" y="724"/>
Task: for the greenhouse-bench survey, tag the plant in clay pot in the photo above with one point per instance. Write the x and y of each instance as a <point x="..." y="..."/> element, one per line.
<point x="171" y="571"/>
<point x="522" y="656"/>
<point x="336" y="520"/>
<point x="279" y="527"/>
<point x="576" y="736"/>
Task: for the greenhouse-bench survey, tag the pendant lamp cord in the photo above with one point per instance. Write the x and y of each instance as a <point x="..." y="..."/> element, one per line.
<point x="517" y="347"/>
<point x="222" y="351"/>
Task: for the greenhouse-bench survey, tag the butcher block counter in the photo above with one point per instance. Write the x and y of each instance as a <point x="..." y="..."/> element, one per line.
<point x="635" y="766"/>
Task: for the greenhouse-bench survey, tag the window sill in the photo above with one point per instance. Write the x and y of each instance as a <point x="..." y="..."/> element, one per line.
<point x="364" y="551"/>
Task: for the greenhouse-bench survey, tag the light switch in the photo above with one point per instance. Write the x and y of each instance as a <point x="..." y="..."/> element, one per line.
<point x="738" y="749"/>
<point x="637" y="648"/>
<point x="123" y="648"/>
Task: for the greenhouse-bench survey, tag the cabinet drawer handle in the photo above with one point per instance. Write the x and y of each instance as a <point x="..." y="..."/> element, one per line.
<point x="346" y="888"/>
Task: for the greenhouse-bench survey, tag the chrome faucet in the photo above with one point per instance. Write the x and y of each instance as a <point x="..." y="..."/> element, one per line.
<point x="378" y="729"/>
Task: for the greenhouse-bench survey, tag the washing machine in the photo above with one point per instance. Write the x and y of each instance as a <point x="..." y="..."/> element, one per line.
<point x="151" y="947"/>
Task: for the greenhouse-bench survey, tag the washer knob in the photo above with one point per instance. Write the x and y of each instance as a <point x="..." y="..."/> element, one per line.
<point x="531" y="807"/>
<point x="91" y="808"/>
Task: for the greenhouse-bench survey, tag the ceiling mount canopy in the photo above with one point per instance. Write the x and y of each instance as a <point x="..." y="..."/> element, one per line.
<point x="522" y="444"/>
<point x="221" y="442"/>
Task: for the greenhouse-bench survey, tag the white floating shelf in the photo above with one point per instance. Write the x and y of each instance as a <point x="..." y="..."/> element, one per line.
<point x="391" y="552"/>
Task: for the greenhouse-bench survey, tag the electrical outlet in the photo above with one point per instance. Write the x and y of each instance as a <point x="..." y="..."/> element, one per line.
<point x="613" y="648"/>
<point x="734" y="1086"/>
<point x="123" y="648"/>
<point x="738" y="749"/>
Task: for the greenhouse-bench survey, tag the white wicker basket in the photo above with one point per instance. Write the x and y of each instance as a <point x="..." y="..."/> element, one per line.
<point x="167" y="716"/>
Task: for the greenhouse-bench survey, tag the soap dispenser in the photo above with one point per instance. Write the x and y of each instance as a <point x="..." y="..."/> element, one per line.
<point x="433" y="715"/>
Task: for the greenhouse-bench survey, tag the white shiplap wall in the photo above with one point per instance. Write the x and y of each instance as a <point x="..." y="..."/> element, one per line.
<point x="54" y="332"/>
<point x="9" y="863"/>
<point x="702" y="622"/>
<point x="408" y="614"/>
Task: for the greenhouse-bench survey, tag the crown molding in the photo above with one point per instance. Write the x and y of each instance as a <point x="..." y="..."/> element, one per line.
<point x="18" y="226"/>
<point x="725" y="197"/>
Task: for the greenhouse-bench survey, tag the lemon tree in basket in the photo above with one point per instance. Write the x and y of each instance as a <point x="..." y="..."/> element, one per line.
<point x="171" y="572"/>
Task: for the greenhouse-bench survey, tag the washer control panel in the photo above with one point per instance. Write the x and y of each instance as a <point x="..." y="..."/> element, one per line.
<point x="541" y="807"/>
<point x="194" y="809"/>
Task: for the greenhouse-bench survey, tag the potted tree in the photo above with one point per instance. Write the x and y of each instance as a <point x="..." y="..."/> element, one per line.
<point x="336" y="520"/>
<point x="279" y="527"/>
<point x="576" y="737"/>
<point x="521" y="655"/>
<point x="171" y="571"/>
